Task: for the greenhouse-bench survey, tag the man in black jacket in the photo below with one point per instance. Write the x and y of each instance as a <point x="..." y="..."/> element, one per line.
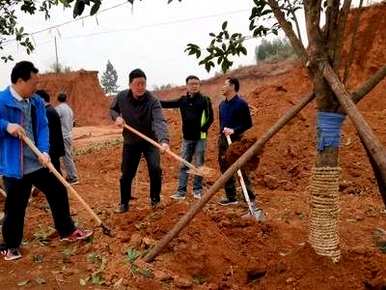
<point x="138" y="108"/>
<point x="55" y="131"/>
<point x="197" y="116"/>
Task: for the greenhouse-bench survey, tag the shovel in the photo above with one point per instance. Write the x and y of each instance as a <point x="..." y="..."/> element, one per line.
<point x="259" y="215"/>
<point x="201" y="171"/>
<point x="51" y="167"/>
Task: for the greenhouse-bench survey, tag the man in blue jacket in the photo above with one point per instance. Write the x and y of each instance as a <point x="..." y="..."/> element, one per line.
<point x="22" y="113"/>
<point x="235" y="119"/>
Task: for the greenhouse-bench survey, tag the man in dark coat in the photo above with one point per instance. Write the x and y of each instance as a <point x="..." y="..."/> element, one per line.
<point x="138" y="108"/>
<point x="55" y="130"/>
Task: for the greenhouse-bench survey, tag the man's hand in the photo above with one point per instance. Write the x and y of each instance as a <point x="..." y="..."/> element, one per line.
<point x="228" y="131"/>
<point x="44" y="159"/>
<point x="165" y="147"/>
<point x="222" y="91"/>
<point x="119" y="122"/>
<point x="15" y="130"/>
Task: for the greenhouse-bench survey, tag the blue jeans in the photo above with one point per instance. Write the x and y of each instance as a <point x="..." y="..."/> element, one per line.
<point x="190" y="149"/>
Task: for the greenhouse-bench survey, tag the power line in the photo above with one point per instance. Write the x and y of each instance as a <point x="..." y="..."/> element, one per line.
<point x="165" y="23"/>
<point x="70" y="21"/>
<point x="159" y="24"/>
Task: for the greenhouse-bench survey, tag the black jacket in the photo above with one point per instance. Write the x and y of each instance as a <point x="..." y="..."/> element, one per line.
<point x="192" y="109"/>
<point x="55" y="132"/>
<point x="144" y="115"/>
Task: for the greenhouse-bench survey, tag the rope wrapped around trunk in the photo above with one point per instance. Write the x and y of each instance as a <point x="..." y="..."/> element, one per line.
<point x="323" y="235"/>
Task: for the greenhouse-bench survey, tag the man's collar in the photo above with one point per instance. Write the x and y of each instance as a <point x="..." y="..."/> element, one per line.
<point x="231" y="99"/>
<point x="189" y="95"/>
<point x="16" y="95"/>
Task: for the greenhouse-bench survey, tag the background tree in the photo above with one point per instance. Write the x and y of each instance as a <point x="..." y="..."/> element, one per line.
<point x="59" y="68"/>
<point x="109" y="79"/>
<point x="273" y="50"/>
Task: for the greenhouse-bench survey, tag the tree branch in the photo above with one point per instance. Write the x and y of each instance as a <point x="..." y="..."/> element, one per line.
<point x="331" y="27"/>
<point x="343" y="15"/>
<point x="287" y="27"/>
<point x="291" y="9"/>
<point x="352" y="47"/>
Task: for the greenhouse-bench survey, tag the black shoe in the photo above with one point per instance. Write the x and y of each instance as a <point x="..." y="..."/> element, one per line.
<point x="122" y="208"/>
<point x="155" y="204"/>
<point x="226" y="201"/>
<point x="73" y="181"/>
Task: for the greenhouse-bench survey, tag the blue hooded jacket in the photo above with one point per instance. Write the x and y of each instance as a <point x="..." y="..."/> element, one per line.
<point x="11" y="148"/>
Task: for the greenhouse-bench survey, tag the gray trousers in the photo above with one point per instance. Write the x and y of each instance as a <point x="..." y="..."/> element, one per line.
<point x="68" y="161"/>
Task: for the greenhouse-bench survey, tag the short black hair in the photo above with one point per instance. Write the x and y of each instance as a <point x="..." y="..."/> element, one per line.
<point x="22" y="70"/>
<point x="235" y="82"/>
<point x="62" y="97"/>
<point x="44" y="95"/>
<point x="137" y="73"/>
<point x="191" y="77"/>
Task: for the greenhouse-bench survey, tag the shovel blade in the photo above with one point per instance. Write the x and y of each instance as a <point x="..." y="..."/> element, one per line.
<point x="202" y="171"/>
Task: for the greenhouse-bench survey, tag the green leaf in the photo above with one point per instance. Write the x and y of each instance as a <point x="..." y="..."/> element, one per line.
<point x="95" y="8"/>
<point x="78" y="8"/>
<point x="207" y="67"/>
<point x="132" y="255"/>
<point x="252" y="25"/>
<point x="224" y="25"/>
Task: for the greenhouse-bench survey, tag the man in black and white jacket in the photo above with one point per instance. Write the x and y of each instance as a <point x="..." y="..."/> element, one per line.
<point x="197" y="116"/>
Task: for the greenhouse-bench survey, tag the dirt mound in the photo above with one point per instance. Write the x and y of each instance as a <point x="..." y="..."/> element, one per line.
<point x="84" y="93"/>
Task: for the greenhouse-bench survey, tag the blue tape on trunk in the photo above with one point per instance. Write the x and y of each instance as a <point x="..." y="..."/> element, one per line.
<point x="328" y="129"/>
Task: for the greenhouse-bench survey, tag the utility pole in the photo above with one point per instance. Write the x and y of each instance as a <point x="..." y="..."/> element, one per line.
<point x="56" y="55"/>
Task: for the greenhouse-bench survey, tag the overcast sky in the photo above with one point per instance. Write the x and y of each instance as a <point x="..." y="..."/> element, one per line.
<point x="152" y="35"/>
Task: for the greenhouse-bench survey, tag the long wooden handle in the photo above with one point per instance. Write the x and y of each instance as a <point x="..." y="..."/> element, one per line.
<point x="175" y="156"/>
<point x="61" y="179"/>
<point x="242" y="182"/>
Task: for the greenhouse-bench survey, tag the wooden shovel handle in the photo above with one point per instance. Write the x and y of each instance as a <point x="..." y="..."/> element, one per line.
<point x="61" y="179"/>
<point x="175" y="156"/>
